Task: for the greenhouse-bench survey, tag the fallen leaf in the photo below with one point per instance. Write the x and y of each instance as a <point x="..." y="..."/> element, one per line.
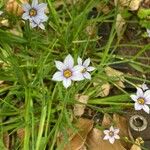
<point x="95" y="142"/>
<point x="122" y="123"/>
<point x="79" y="108"/>
<point x="6" y="140"/>
<point x="135" y="147"/>
<point x="83" y="148"/>
<point x="91" y="30"/>
<point x="118" y="75"/>
<point x="103" y="7"/>
<point x="133" y="5"/>
<point x="102" y="90"/>
<point x="12" y="6"/>
<point x="107" y="120"/>
<point x="21" y="133"/>
<point x="77" y="140"/>
<point x="120" y="22"/>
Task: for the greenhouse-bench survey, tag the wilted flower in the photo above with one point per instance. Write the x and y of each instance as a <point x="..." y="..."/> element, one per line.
<point x="111" y="134"/>
<point x="35" y="13"/>
<point x="148" y="32"/>
<point x="86" y="68"/>
<point x="67" y="71"/>
<point x="141" y="100"/>
<point x="1" y="12"/>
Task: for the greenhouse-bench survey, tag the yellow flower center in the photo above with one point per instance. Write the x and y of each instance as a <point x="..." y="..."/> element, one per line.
<point x="84" y="70"/>
<point x="67" y="73"/>
<point x="32" y="12"/>
<point x="141" y="101"/>
<point x="111" y="133"/>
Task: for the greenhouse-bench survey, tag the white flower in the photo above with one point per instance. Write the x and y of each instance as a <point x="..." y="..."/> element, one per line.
<point x="67" y="71"/>
<point x="111" y="134"/>
<point x="35" y="13"/>
<point x="148" y="32"/>
<point x="141" y="100"/>
<point x="144" y="87"/>
<point x="86" y="68"/>
<point x="1" y="12"/>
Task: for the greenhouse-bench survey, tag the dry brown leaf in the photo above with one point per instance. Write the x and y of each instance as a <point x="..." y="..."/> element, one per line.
<point x="120" y="22"/>
<point x="79" y="108"/>
<point x="135" y="147"/>
<point x="122" y="123"/>
<point x="107" y="120"/>
<point x="131" y="4"/>
<point x="95" y="142"/>
<point x="102" y="90"/>
<point x="21" y="133"/>
<point x="116" y="74"/>
<point x="76" y="142"/>
<point x="1" y="81"/>
<point x="105" y="90"/>
<point x="103" y="7"/>
<point x="91" y="30"/>
<point x="12" y="6"/>
<point x="6" y="140"/>
<point x="83" y="148"/>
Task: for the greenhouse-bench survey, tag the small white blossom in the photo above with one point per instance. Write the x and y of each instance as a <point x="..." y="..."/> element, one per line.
<point x="148" y="32"/>
<point x="144" y="87"/>
<point x="1" y="12"/>
<point x="67" y="71"/>
<point x="35" y="13"/>
<point x="111" y="134"/>
<point x="141" y="100"/>
<point x="86" y="68"/>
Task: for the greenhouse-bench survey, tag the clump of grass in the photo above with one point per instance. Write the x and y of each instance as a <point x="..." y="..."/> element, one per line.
<point x="30" y="100"/>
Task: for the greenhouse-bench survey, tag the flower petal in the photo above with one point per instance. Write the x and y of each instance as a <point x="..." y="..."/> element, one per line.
<point x="41" y="25"/>
<point x="26" y="7"/>
<point x="112" y="129"/>
<point x="33" y="24"/>
<point x="106" y="137"/>
<point x="144" y="87"/>
<point x="66" y="82"/>
<point x="25" y="16"/>
<point x="41" y="7"/>
<point x="57" y="76"/>
<point x="87" y="75"/>
<point x="146" y="109"/>
<point x="137" y="106"/>
<point x="86" y="62"/>
<point x="77" y="76"/>
<point x="78" y="68"/>
<point x="116" y="136"/>
<point x="69" y="61"/>
<point x="106" y="132"/>
<point x="90" y="68"/>
<point x="111" y="140"/>
<point x="134" y="97"/>
<point x="60" y="66"/>
<point x="34" y="3"/>
<point x="147" y="94"/>
<point x="116" y="131"/>
<point x="79" y="60"/>
<point x="139" y="92"/>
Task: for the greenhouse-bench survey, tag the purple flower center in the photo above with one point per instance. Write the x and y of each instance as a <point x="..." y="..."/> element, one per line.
<point x="67" y="73"/>
<point x="84" y="70"/>
<point x="32" y="12"/>
<point x="111" y="133"/>
<point x="141" y="101"/>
